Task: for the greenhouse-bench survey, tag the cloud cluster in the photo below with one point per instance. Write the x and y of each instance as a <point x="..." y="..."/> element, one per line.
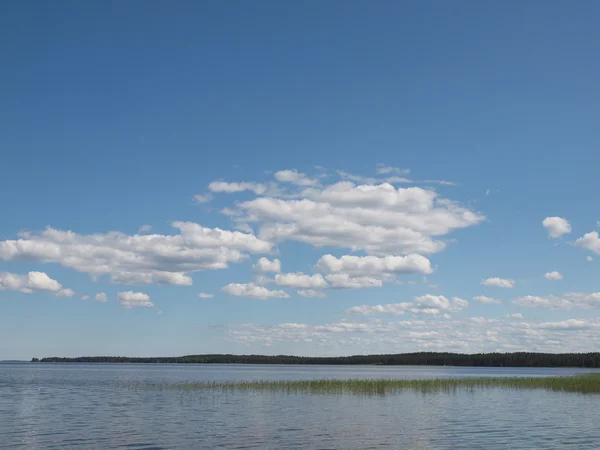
<point x="32" y="282"/>
<point x="300" y="281"/>
<point x="253" y="290"/>
<point x="374" y="265"/>
<point x="376" y="218"/>
<point x="425" y="304"/>
<point x="469" y="335"/>
<point x="130" y="299"/>
<point x="137" y="259"/>
<point x="567" y="301"/>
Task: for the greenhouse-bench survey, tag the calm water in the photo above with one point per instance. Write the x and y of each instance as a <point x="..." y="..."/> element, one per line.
<point x="102" y="406"/>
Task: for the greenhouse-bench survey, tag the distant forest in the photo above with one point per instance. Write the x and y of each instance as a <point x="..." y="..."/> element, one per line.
<point x="522" y="359"/>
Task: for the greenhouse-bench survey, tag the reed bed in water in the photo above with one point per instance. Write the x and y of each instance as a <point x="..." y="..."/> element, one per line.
<point x="588" y="383"/>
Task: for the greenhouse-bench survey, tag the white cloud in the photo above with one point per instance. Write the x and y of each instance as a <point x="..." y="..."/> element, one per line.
<point x="345" y="281"/>
<point x="499" y="282"/>
<point x="425" y="333"/>
<point x="589" y="241"/>
<point x="425" y="304"/>
<point x="137" y="259"/>
<point x="373" y="265"/>
<point x="378" y="219"/>
<point x="145" y="228"/>
<point x="589" y="258"/>
<point x="556" y="226"/>
<point x="205" y="295"/>
<point x="230" y="188"/>
<point x="32" y="282"/>
<point x="202" y="198"/>
<point x="295" y="177"/>
<point x="85" y="297"/>
<point x="300" y="280"/>
<point x="265" y="265"/>
<point x="566" y="301"/>
<point x="252" y="290"/>
<point x="458" y="304"/>
<point x="101" y="297"/>
<point x="130" y="299"/>
<point x="311" y="293"/>
<point x="65" y="293"/>
<point x="554" y="275"/>
<point x="383" y="169"/>
<point x="487" y="300"/>
<point x="514" y="316"/>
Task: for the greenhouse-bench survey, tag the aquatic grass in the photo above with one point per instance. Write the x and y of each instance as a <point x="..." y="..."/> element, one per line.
<point x="588" y="383"/>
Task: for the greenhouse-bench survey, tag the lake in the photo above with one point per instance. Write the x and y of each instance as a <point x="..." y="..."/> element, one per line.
<point x="102" y="406"/>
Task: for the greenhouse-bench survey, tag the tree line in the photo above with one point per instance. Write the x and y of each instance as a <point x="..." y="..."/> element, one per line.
<point x="520" y="359"/>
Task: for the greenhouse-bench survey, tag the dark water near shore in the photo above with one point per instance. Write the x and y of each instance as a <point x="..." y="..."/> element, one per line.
<point x="101" y="406"/>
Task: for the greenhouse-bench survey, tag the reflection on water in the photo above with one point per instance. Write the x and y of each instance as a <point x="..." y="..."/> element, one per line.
<point x="94" y="406"/>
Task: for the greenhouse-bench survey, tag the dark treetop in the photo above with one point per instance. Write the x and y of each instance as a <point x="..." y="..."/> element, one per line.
<point x="522" y="359"/>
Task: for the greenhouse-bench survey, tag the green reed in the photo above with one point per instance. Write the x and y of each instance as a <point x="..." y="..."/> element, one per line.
<point x="588" y="383"/>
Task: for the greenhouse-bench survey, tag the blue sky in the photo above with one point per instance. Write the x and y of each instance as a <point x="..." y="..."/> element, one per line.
<point x="154" y="151"/>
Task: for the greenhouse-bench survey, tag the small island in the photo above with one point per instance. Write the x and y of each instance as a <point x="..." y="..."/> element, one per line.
<point x="519" y="359"/>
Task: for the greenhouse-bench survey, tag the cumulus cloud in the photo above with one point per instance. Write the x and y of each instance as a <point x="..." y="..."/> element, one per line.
<point x="294" y="177"/>
<point x="137" y="259"/>
<point x="589" y="258"/>
<point x="589" y="241"/>
<point x="345" y="281"/>
<point x="425" y="304"/>
<point x="145" y="228"/>
<point x="556" y="226"/>
<point x="300" y="280"/>
<point x="374" y="265"/>
<point x="499" y="282"/>
<point x="32" y="282"/>
<point x="101" y="297"/>
<point x="253" y="290"/>
<point x="514" y="316"/>
<point x="85" y="297"/>
<point x="566" y="301"/>
<point x="130" y="299"/>
<point x="311" y="293"/>
<point x="265" y="265"/>
<point x="487" y="300"/>
<point x="230" y="188"/>
<point x="205" y="295"/>
<point x="376" y="218"/>
<point x="554" y="275"/>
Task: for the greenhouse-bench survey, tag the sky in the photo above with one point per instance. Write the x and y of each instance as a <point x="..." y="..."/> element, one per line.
<point x="307" y="178"/>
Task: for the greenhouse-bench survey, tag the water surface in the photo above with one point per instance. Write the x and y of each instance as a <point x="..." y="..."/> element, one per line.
<point x="101" y="406"/>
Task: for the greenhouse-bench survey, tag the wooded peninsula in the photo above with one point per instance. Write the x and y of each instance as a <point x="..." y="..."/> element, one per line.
<point x="520" y="359"/>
